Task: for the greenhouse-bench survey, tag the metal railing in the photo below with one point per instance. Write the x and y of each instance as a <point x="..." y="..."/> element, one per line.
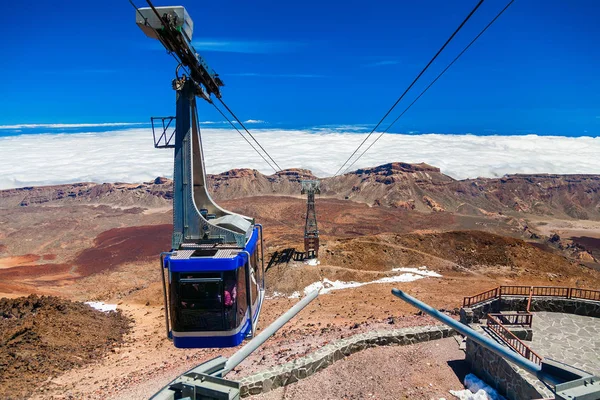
<point x="481" y="297"/>
<point x="586" y="294"/>
<point x="514" y="290"/>
<point x="509" y="319"/>
<point x="511" y="340"/>
<point x="532" y="291"/>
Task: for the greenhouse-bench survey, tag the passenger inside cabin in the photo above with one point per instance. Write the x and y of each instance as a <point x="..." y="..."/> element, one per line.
<point x="230" y="293"/>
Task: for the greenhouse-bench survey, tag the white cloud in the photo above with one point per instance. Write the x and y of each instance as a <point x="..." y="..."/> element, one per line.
<point x="382" y="63"/>
<point x="212" y="122"/>
<point x="246" y="46"/>
<point x="265" y="75"/>
<point x="129" y="155"/>
<point x="254" y="121"/>
<point x="57" y="126"/>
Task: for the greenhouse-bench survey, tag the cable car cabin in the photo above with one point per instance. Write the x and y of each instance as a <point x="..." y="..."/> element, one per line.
<point x="215" y="293"/>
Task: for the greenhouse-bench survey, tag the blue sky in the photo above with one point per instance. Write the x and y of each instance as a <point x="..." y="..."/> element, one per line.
<point x="311" y="63"/>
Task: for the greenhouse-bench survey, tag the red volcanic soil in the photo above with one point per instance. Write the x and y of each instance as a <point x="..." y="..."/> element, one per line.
<point x="9" y="262"/>
<point x="41" y="337"/>
<point x="49" y="257"/>
<point x="124" y="245"/>
<point x="33" y="271"/>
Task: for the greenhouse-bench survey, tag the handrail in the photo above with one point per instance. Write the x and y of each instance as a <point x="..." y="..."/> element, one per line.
<point x="587" y="294"/>
<point x="529" y="300"/>
<point x="511" y="340"/>
<point x="481" y="297"/>
<point x="524" y="319"/>
<point x="532" y="291"/>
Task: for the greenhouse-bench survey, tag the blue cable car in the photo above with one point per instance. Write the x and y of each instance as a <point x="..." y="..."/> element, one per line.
<point x="215" y="293"/>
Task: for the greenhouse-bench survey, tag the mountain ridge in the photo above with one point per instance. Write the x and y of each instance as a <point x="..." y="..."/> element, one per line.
<point x="420" y="187"/>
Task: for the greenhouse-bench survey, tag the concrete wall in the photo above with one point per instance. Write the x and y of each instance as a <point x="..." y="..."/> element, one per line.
<point x="303" y="367"/>
<point x="508" y="379"/>
<point x="587" y="308"/>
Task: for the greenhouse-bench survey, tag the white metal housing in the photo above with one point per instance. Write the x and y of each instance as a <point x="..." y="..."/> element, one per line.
<point x="149" y="22"/>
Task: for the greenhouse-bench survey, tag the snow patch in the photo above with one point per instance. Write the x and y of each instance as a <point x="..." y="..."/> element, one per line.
<point x="410" y="275"/>
<point x="419" y="271"/>
<point x="100" y="306"/>
<point x="279" y="295"/>
<point x="476" y="389"/>
<point x="313" y="261"/>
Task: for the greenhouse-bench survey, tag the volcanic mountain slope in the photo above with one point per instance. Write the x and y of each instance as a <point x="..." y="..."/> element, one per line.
<point x="423" y="187"/>
<point x="418" y="187"/>
<point x="100" y="242"/>
<point x="458" y="251"/>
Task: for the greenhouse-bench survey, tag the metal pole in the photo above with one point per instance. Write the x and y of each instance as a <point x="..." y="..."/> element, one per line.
<point x="262" y="255"/>
<point x="269" y="331"/>
<point x="248" y="267"/>
<point x="471" y="334"/>
<point x="166" y="302"/>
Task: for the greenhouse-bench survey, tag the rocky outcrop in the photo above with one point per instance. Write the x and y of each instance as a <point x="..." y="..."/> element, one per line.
<point x="432" y="204"/>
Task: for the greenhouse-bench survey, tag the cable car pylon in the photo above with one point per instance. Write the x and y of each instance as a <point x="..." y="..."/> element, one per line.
<point x="311" y="231"/>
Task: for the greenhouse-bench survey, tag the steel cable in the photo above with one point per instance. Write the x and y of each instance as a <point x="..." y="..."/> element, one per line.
<point x="431" y="84"/>
<point x="412" y="84"/>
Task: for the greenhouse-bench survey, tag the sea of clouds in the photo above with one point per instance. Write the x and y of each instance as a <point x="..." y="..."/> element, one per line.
<point x="128" y="155"/>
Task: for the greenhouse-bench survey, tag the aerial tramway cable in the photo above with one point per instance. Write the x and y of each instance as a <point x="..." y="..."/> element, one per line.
<point x="245" y="138"/>
<point x="412" y="84"/>
<point x="431" y="84"/>
<point x="248" y="132"/>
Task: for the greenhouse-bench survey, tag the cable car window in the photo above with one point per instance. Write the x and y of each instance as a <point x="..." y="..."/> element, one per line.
<point x="255" y="264"/>
<point x="230" y="298"/>
<point x="242" y="305"/>
<point x="199" y="299"/>
<point x="254" y="278"/>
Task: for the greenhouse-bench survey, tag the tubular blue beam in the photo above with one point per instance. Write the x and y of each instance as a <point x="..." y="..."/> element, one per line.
<point x="471" y="334"/>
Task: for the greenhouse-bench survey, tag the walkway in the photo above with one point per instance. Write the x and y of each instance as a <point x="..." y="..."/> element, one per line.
<point x="572" y="339"/>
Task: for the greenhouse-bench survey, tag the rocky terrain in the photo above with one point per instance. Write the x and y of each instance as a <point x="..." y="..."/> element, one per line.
<point x="42" y="337"/>
<point x="91" y="241"/>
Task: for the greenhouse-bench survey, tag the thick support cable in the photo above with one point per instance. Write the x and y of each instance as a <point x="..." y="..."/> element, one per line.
<point x="242" y="135"/>
<point x="248" y="132"/>
<point x="413" y="83"/>
<point x="430" y="85"/>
